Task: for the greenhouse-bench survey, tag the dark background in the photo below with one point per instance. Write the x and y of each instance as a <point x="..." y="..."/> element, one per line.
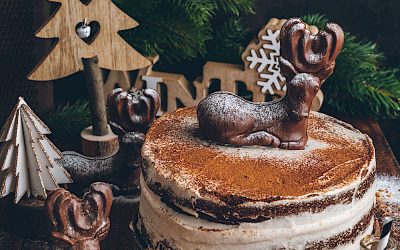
<point x="375" y="20"/>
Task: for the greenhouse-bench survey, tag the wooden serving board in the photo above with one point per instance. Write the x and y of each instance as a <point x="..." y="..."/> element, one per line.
<point x="386" y="162"/>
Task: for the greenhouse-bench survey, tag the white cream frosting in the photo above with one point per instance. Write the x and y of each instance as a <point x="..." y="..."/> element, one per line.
<point x="281" y="232"/>
<point x="333" y="192"/>
<point x="185" y="186"/>
<point x="290" y="232"/>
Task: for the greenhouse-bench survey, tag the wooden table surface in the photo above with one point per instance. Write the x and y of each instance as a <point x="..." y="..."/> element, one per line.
<point x="386" y="162"/>
<point x="121" y="237"/>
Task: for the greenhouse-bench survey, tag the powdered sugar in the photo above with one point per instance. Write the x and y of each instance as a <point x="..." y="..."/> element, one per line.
<point x="260" y="151"/>
<point x="389" y="189"/>
<point x="388" y="202"/>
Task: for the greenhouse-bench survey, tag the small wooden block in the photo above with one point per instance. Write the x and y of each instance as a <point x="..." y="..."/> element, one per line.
<point x="99" y="146"/>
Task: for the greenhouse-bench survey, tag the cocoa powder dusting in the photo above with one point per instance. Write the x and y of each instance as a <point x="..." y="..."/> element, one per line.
<point x="340" y="155"/>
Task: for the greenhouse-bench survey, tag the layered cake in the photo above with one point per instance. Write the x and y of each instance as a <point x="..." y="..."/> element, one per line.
<point x="202" y="195"/>
<point x="233" y="174"/>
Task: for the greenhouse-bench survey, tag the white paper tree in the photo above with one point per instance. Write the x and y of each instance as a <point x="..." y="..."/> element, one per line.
<point x="28" y="158"/>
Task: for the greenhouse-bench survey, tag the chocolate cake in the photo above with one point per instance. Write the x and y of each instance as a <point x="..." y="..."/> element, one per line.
<point x="197" y="194"/>
<point x="234" y="174"/>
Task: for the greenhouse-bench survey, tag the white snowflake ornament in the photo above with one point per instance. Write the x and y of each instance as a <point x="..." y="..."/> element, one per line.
<point x="267" y="60"/>
<point x="263" y="57"/>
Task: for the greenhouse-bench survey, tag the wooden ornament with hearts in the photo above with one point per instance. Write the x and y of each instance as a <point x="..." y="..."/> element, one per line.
<point x="112" y="51"/>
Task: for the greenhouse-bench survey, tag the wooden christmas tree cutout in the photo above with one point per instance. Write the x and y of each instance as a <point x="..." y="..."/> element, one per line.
<point x="77" y="49"/>
<point x="112" y="51"/>
<point x="28" y="159"/>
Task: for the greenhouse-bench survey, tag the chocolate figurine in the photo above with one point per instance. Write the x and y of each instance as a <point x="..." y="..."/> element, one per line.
<point x="134" y="110"/>
<point x="81" y="223"/>
<point x="122" y="169"/>
<point x="306" y="61"/>
<point x="131" y="114"/>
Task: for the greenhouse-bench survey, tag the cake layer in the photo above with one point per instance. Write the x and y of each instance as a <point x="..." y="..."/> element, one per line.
<point x="339" y="227"/>
<point x="252" y="184"/>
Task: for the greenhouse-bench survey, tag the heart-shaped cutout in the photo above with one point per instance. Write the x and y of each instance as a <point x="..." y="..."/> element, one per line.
<point x="85" y="2"/>
<point x="88" y="32"/>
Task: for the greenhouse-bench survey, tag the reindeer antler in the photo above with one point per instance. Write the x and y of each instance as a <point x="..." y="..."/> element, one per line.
<point x="134" y="111"/>
<point x="303" y="52"/>
<point x="83" y="222"/>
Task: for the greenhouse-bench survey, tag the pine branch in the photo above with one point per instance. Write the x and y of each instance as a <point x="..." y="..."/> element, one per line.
<point x="236" y="7"/>
<point x="138" y="8"/>
<point x="365" y="94"/>
<point x="360" y="85"/>
<point x="177" y="29"/>
<point x="227" y="44"/>
<point x="68" y="121"/>
<point x="198" y="11"/>
<point x="318" y="20"/>
<point x="173" y="39"/>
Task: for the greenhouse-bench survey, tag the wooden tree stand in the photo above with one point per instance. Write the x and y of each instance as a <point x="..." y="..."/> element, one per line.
<point x="99" y="146"/>
<point x="97" y="140"/>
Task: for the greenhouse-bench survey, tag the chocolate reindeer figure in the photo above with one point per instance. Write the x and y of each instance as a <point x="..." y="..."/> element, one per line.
<point x="122" y="169"/>
<point x="306" y="61"/>
<point x="81" y="223"/>
<point x="131" y="114"/>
